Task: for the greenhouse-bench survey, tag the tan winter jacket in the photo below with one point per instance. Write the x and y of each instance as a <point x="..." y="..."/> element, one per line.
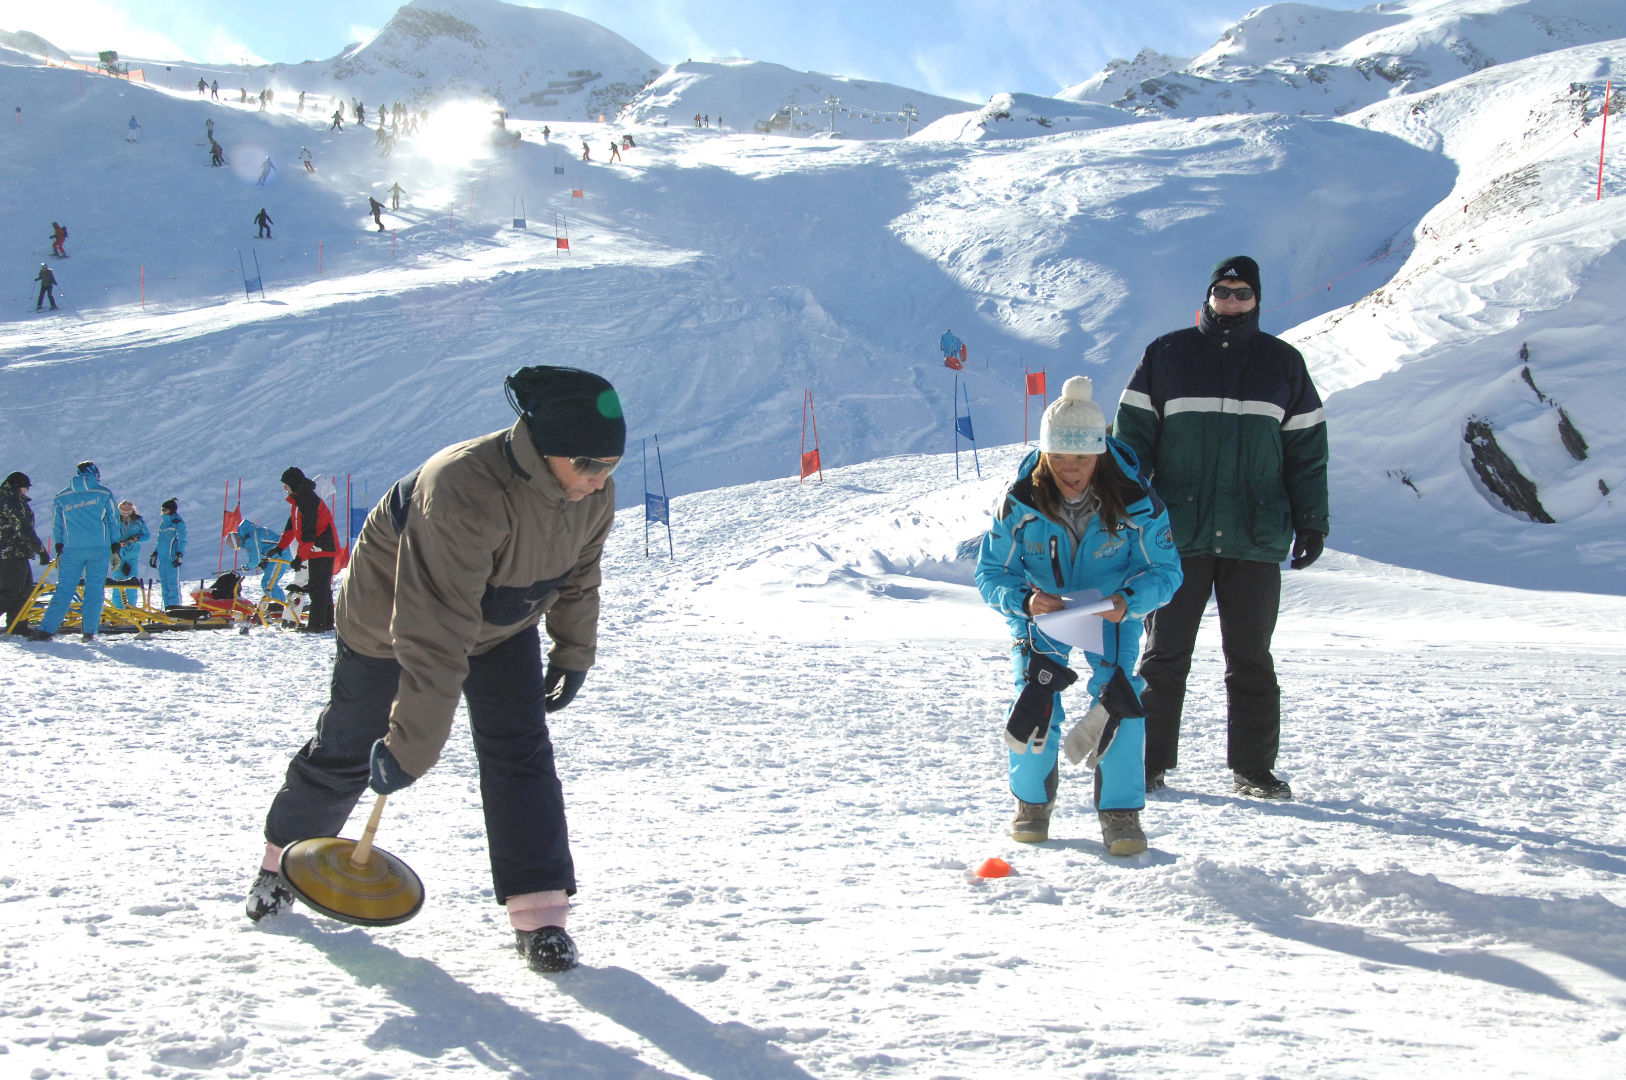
<point x="477" y="545"/>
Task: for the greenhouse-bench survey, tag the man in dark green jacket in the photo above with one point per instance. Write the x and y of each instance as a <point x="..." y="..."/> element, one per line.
<point x="1230" y="430"/>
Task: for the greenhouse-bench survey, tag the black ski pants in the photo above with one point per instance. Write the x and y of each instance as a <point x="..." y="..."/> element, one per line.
<point x="319" y="587"/>
<point x="524" y="802"/>
<point x="46" y="292"/>
<point x="16" y="582"/>
<point x="1248" y="595"/>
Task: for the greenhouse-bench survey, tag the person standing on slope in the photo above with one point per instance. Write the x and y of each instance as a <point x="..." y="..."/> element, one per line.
<point x="338" y="120"/>
<point x="1078" y="518"/>
<point x="451" y="576"/>
<point x="20" y="545"/>
<point x="309" y="535"/>
<point x="129" y="533"/>
<point x="170" y="552"/>
<point x="396" y="191"/>
<point x="263" y="220"/>
<point x="1230" y="428"/>
<point x="83" y="535"/>
<point x="377" y="210"/>
<point x="59" y="236"/>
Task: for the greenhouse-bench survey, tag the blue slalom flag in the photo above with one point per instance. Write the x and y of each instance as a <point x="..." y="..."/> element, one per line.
<point x="962" y="424"/>
<point x="656" y="509"/>
<point x="358" y="518"/>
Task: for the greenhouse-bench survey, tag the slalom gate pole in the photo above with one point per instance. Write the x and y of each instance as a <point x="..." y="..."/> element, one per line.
<point x="1604" y="138"/>
<point x="644" y="446"/>
<point x="661" y="469"/>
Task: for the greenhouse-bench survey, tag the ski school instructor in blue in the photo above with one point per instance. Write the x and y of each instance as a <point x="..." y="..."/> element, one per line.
<point x="1078" y="517"/>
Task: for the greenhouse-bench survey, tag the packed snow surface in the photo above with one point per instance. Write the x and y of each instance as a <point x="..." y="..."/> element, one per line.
<point x="787" y="761"/>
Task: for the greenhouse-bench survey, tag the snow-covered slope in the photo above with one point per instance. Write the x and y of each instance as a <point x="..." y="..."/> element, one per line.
<point x="719" y="277"/>
<point x="752" y="95"/>
<point x="779" y="777"/>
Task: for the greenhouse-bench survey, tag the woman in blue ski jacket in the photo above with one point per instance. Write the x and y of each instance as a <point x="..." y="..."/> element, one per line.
<point x="1078" y="519"/>
<point x="129" y="533"/>
<point x="82" y="533"/>
<point x="170" y="552"/>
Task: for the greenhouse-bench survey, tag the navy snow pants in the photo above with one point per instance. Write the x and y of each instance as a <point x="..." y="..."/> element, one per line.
<point x="524" y="802"/>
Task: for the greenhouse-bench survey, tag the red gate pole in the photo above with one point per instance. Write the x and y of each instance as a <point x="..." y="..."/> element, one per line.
<point x="1607" y="87"/>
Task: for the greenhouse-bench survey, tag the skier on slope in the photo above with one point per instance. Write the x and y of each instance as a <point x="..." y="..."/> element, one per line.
<point x="59" y="236"/>
<point x="377" y="210"/>
<point x="167" y="557"/>
<point x="217" y="155"/>
<point x="1078" y="518"/>
<point x="615" y="151"/>
<point x="587" y="155"/>
<point x="396" y="191"/>
<point x="134" y="134"/>
<point x="129" y="532"/>
<point x="263" y="220"/>
<point x="338" y="120"/>
<point x="47" y="282"/>
<point x="305" y="156"/>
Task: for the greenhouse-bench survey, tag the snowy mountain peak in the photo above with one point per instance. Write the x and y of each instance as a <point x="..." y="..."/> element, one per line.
<point x="1304" y="60"/>
<point x="537" y="62"/>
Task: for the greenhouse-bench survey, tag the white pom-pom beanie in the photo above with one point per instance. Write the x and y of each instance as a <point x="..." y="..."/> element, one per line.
<point x="1073" y="423"/>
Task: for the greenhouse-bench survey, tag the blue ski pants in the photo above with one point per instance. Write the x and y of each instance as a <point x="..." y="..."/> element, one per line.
<point x="524" y="803"/>
<point x="90" y="564"/>
<point x="169" y="581"/>
<point x="1120" y="777"/>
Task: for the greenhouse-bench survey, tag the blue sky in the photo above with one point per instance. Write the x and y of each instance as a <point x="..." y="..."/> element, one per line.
<point x="958" y="48"/>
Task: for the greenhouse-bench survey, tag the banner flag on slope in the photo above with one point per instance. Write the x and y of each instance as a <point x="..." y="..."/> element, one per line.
<point x="656" y="507"/>
<point x="810" y="458"/>
<point x="1035" y="385"/>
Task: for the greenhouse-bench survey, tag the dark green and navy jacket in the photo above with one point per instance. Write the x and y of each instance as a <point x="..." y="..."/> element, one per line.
<point x="1230" y="430"/>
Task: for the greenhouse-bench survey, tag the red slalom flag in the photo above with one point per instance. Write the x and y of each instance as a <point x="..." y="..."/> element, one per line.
<point x="810" y="463"/>
<point x="561" y="243"/>
<point x="1036" y="382"/>
<point x="231" y="520"/>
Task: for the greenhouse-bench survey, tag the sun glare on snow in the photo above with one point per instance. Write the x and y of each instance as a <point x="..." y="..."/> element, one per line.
<point x="457" y="131"/>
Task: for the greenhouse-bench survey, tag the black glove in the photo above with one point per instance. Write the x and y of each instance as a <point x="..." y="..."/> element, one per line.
<point x="297" y="565"/>
<point x="115" y="546"/>
<point x="263" y="564"/>
<point x="176" y="561"/>
<point x="1028" y="726"/>
<point x="1306" y="548"/>
<point x="59" y="549"/>
<point x="385" y="773"/>
<point x="559" y="686"/>
<point x="152" y="560"/>
<point x="45" y="558"/>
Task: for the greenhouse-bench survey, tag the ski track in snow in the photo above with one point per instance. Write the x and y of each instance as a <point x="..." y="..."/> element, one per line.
<point x="778" y="781"/>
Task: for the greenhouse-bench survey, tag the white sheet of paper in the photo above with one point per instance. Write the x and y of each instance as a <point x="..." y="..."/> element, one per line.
<point x="1079" y="624"/>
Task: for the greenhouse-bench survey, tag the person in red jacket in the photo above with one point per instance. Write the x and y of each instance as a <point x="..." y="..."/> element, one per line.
<point x="310" y="527"/>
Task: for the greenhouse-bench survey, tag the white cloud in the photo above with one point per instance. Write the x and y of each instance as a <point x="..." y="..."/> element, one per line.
<point x="362" y="34"/>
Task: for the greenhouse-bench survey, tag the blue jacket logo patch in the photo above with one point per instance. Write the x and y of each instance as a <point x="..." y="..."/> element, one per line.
<point x="1165" y="538"/>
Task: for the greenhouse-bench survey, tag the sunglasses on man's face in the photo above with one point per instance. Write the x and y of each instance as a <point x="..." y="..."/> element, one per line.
<point x="592" y="466"/>
<point x="1221" y="292"/>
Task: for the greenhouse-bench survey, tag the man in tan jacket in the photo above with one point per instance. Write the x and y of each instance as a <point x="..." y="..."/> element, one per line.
<point x="453" y="572"/>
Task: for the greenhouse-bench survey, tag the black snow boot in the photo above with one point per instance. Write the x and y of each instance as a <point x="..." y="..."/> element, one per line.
<point x="1263" y="784"/>
<point x="548" y="950"/>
